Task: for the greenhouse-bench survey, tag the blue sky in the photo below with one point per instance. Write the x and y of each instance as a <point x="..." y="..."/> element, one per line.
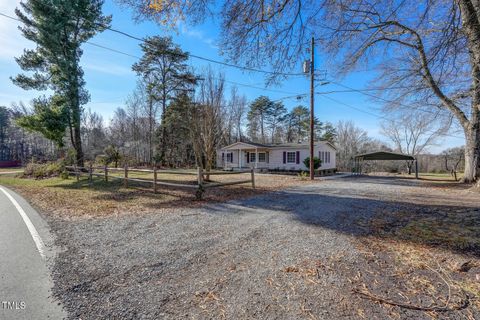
<point x="110" y="79"/>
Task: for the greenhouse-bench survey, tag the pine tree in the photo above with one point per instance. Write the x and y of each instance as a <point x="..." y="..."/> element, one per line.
<point x="164" y="69"/>
<point x="58" y="28"/>
<point x="257" y="117"/>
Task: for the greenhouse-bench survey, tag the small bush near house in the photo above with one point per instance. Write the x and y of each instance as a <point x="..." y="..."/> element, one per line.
<point x="316" y="162"/>
<point x="304" y="175"/>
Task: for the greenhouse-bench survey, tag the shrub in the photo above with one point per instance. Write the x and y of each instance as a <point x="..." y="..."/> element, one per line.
<point x="112" y="155"/>
<point x="303" y="175"/>
<point x="70" y="157"/>
<point x="316" y="163"/>
<point x="45" y="170"/>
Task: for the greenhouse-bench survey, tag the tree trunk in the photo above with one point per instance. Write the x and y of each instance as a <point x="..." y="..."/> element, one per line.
<point x="472" y="159"/>
<point x="78" y="144"/>
<point x="471" y="28"/>
<point x="409" y="167"/>
<point x="75" y="123"/>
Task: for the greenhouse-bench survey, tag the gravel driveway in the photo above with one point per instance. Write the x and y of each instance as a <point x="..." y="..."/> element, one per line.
<point x="283" y="255"/>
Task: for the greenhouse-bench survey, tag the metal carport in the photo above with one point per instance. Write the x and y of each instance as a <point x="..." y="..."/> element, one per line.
<point x="384" y="155"/>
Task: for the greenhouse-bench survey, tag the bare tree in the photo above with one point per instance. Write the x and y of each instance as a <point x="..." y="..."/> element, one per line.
<point x="235" y="116"/>
<point x="93" y="134"/>
<point x="412" y="134"/>
<point x="208" y="113"/>
<point x="350" y="141"/>
<point x="428" y="50"/>
<point x="453" y="157"/>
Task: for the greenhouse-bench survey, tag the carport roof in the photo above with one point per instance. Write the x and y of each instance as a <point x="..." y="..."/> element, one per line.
<point x="383" y="155"/>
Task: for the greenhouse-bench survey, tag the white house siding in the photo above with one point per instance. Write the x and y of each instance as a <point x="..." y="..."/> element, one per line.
<point x="276" y="157"/>
<point x="234" y="163"/>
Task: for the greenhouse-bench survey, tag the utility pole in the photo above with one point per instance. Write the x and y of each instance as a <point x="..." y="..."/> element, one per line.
<point x="312" y="96"/>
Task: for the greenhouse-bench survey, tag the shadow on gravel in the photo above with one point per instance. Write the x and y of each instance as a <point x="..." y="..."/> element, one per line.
<point x="410" y="181"/>
<point x="452" y="227"/>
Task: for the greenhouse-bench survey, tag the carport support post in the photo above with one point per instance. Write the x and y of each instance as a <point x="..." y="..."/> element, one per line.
<point x="416" y="169"/>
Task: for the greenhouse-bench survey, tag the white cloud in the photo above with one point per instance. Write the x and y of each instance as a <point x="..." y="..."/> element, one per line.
<point x="198" y="34"/>
<point x="112" y="69"/>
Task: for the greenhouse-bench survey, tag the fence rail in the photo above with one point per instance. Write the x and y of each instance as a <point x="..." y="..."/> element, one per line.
<point x="200" y="186"/>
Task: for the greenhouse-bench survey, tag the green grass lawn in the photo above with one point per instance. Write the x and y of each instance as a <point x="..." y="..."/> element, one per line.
<point x="440" y="175"/>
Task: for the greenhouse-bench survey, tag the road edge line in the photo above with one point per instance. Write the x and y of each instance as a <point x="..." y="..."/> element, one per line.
<point x="31" y="228"/>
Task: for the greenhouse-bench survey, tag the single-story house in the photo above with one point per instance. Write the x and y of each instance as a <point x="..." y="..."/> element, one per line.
<point x="285" y="156"/>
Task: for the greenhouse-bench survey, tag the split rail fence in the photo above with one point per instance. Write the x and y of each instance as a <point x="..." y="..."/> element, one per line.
<point x="200" y="186"/>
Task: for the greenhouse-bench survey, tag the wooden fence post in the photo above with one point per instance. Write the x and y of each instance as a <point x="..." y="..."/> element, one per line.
<point x="252" y="172"/>
<point x="200" y="190"/>
<point x="125" y="180"/>
<point x="106" y="173"/>
<point x="155" y="179"/>
<point x="75" y="170"/>
<point x="90" y="171"/>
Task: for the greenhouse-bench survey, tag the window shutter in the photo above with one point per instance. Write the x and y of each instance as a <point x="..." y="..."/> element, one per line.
<point x="267" y="156"/>
<point x="297" y="158"/>
<point x="223" y="156"/>
<point x="284" y="157"/>
<point x="248" y="157"/>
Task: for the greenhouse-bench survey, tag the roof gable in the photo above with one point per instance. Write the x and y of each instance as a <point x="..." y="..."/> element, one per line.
<point x="244" y="145"/>
<point x="253" y="145"/>
<point x="384" y="155"/>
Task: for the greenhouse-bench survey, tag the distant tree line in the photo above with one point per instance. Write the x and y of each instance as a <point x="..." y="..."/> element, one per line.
<point x="18" y="144"/>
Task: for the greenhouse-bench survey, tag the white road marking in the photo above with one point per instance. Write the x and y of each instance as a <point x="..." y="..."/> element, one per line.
<point x="31" y="228"/>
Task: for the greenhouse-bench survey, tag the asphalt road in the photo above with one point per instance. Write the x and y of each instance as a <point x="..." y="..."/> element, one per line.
<point x="25" y="250"/>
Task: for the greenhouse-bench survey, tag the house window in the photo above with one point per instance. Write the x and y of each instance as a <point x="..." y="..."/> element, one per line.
<point x="324" y="156"/>
<point x="291" y="157"/>
<point x="261" y="157"/>
<point x="229" y="157"/>
<point x="252" y="156"/>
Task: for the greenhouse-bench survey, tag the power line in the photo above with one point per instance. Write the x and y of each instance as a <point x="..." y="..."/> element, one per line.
<point x="138" y="57"/>
<point x="380" y="98"/>
<point x="126" y="34"/>
<point x="208" y="59"/>
<point x="380" y="116"/>
<point x="113" y="50"/>
<point x="228" y="81"/>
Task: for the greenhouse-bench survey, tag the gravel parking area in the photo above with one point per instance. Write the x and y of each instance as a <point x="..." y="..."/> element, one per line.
<point x="299" y="253"/>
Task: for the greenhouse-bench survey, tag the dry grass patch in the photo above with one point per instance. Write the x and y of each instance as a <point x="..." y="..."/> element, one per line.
<point x="70" y="198"/>
<point x="426" y="258"/>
